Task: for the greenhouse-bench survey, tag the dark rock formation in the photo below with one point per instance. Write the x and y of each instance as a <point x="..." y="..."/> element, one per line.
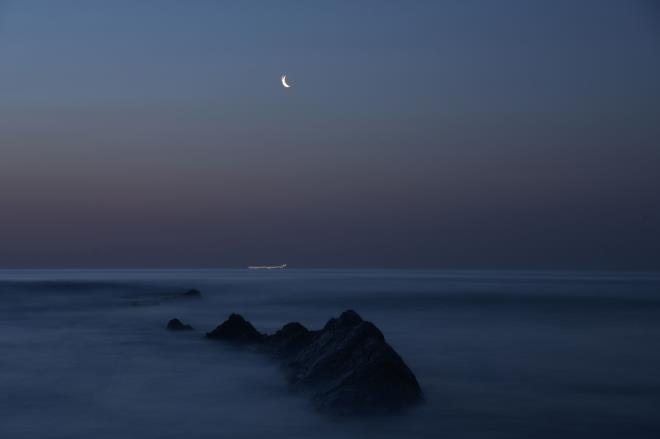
<point x="289" y="340"/>
<point x="178" y="325"/>
<point x="192" y="294"/>
<point x="347" y="366"/>
<point x="236" y="329"/>
<point x="352" y="369"/>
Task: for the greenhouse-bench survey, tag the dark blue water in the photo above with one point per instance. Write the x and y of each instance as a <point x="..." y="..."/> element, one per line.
<point x="83" y="354"/>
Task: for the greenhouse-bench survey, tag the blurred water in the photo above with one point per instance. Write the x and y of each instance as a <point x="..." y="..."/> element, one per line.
<point x="498" y="354"/>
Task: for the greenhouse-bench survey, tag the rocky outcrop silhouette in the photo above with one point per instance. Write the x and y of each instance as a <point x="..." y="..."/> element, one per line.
<point x="178" y="325"/>
<point x="347" y="367"/>
<point x="236" y="329"/>
<point x="191" y="294"/>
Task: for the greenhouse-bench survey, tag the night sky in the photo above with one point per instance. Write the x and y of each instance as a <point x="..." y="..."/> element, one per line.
<point x="449" y="134"/>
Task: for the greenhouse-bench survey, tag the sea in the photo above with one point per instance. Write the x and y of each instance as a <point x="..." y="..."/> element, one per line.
<point x="498" y="354"/>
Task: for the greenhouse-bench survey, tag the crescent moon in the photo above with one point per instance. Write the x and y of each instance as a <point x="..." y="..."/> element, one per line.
<point x="284" y="82"/>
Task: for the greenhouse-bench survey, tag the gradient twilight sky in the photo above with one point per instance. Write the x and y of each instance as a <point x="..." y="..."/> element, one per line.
<point x="455" y="134"/>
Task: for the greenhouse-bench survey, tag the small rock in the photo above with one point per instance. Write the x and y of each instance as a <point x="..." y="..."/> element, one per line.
<point x="178" y="325"/>
<point x="192" y="294"/>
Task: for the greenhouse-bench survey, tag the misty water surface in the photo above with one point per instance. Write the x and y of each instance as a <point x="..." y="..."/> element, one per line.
<point x="498" y="354"/>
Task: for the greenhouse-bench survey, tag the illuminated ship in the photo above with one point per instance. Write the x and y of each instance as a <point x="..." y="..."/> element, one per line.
<point x="267" y="267"/>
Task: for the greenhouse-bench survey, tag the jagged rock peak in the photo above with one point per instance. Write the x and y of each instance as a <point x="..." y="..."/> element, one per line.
<point x="236" y="329"/>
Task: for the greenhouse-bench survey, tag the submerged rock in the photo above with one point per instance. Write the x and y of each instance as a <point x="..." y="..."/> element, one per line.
<point x="151" y="298"/>
<point x="347" y="366"/>
<point x="192" y="294"/>
<point x="178" y="325"/>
